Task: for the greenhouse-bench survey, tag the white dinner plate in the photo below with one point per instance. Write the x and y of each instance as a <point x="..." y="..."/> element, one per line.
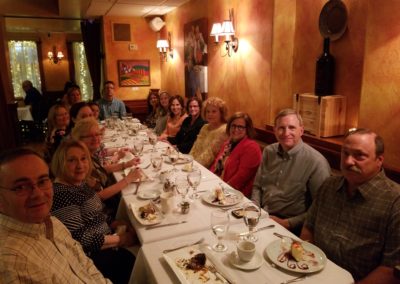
<point x="316" y="262"/>
<point x="253" y="264"/>
<point x="135" y="209"/>
<point x="181" y="160"/>
<point x="149" y="194"/>
<point x="176" y="260"/>
<point x="233" y="198"/>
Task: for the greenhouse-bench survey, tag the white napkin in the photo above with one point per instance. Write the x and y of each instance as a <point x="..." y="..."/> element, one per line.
<point x="219" y="266"/>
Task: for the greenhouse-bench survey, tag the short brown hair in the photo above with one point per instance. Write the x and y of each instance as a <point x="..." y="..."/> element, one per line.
<point x="219" y="103"/>
<point x="249" y="123"/>
<point x="180" y="100"/>
<point x="286" y="112"/>
<point x="59" y="158"/>
<point x="379" y="143"/>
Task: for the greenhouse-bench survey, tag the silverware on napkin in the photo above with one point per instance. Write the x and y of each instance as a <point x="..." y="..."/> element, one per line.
<point x="184" y="246"/>
<point x="259" y="229"/>
<point x="165" y="225"/>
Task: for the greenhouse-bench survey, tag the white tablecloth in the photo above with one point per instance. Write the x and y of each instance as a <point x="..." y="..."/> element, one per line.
<point x="24" y="113"/>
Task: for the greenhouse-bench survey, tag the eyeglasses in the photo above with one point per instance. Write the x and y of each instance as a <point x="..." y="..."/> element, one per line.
<point x="238" y="127"/>
<point x="25" y="189"/>
<point x="91" y="136"/>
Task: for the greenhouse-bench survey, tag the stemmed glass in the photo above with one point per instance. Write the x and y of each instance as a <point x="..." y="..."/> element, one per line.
<point x="152" y="139"/>
<point x="156" y="161"/>
<point x="194" y="179"/>
<point x="138" y="147"/>
<point x="173" y="157"/>
<point x="251" y="216"/>
<point x="182" y="186"/>
<point x="219" y="226"/>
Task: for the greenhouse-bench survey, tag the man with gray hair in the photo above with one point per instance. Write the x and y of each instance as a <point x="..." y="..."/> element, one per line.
<point x="290" y="173"/>
<point x="355" y="218"/>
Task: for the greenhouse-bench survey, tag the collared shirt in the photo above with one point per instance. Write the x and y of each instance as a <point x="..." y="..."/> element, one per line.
<point x="286" y="182"/>
<point x="360" y="232"/>
<point x="43" y="253"/>
<point x="107" y="108"/>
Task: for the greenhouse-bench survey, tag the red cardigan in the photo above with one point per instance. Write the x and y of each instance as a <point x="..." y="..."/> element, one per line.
<point x="241" y="165"/>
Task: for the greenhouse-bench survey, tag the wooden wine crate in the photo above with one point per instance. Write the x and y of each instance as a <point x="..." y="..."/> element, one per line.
<point x="322" y="116"/>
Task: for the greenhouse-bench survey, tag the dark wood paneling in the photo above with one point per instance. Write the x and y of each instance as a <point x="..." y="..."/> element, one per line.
<point x="138" y="108"/>
<point x="329" y="147"/>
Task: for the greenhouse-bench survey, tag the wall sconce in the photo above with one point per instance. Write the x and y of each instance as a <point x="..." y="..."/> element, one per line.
<point x="164" y="46"/>
<point x="52" y="56"/>
<point x="226" y="29"/>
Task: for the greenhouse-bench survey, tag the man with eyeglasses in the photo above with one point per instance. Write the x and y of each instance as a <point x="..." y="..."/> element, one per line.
<point x="290" y="173"/>
<point x="355" y="218"/>
<point x="34" y="247"/>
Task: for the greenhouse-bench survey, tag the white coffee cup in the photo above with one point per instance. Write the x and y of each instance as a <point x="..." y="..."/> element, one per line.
<point x="246" y="250"/>
<point x="167" y="202"/>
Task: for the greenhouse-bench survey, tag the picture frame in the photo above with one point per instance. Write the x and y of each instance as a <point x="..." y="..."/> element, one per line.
<point x="134" y="73"/>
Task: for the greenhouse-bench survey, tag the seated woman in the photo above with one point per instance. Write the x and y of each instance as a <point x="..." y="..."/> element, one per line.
<point x="176" y="115"/>
<point x="162" y="113"/>
<point x="79" y="111"/>
<point x="190" y="128"/>
<point x="80" y="209"/>
<point x="58" y="122"/>
<point x="153" y="102"/>
<point x="101" y="178"/>
<point x="239" y="157"/>
<point x="211" y="135"/>
<point x="73" y="96"/>
<point x="95" y="109"/>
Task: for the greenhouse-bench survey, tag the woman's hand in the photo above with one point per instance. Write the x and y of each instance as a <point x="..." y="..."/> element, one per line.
<point x="134" y="162"/>
<point x="134" y="175"/>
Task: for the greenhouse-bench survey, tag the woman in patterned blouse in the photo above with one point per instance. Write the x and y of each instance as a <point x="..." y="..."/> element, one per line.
<point x="80" y="209"/>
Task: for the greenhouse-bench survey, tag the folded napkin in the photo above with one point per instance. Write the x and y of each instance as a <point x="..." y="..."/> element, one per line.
<point x="219" y="266"/>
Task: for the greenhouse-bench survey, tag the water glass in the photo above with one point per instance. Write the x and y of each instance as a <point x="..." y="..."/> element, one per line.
<point x="251" y="216"/>
<point x="156" y="161"/>
<point x="194" y="179"/>
<point x="219" y="226"/>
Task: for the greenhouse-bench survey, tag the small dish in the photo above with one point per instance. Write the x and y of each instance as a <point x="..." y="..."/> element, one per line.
<point x="149" y="194"/>
<point x="158" y="215"/>
<point x="253" y="264"/>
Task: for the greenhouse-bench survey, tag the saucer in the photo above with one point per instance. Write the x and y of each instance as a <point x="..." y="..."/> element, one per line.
<point x="253" y="264"/>
<point x="149" y="194"/>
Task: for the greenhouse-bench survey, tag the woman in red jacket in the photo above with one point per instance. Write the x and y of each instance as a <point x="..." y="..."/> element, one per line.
<point x="239" y="157"/>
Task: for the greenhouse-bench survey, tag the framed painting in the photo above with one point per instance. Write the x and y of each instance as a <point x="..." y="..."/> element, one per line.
<point x="195" y="53"/>
<point x="133" y="73"/>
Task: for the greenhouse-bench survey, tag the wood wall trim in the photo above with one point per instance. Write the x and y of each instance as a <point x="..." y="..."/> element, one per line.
<point x="138" y="108"/>
<point x="330" y="148"/>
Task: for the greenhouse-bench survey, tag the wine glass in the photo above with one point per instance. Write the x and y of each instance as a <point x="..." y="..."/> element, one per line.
<point x="194" y="179"/>
<point x="251" y="216"/>
<point x="182" y="186"/>
<point x="153" y="139"/>
<point x="219" y="226"/>
<point x="138" y="147"/>
<point x="156" y="161"/>
<point x="173" y="157"/>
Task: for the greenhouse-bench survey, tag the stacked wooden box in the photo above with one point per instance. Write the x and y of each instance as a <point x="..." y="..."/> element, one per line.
<point x="322" y="116"/>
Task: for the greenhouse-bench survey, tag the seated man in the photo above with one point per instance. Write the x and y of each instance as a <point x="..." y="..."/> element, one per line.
<point x="34" y="247"/>
<point x="109" y="105"/>
<point x="355" y="219"/>
<point x="290" y="173"/>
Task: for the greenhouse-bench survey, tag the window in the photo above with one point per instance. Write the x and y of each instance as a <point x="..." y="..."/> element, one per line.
<point x="24" y="65"/>
<point x="82" y="75"/>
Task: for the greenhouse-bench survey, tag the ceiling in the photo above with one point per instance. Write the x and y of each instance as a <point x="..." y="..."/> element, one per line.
<point x="64" y="15"/>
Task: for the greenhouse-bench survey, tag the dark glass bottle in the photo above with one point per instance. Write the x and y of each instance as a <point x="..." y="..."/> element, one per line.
<point x="325" y="72"/>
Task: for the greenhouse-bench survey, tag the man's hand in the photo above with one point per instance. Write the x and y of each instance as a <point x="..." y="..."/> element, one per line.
<point x="282" y="222"/>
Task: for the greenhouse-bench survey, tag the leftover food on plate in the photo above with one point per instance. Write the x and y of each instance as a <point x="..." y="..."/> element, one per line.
<point x="223" y="197"/>
<point x="187" y="168"/>
<point x="148" y="212"/>
<point x="219" y="196"/>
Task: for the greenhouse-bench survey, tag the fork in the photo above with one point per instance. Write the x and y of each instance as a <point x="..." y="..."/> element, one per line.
<point x="186" y="245"/>
<point x="302" y="277"/>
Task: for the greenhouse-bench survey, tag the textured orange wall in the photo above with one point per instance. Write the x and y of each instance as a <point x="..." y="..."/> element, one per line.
<point x="380" y="99"/>
<point x="146" y="39"/>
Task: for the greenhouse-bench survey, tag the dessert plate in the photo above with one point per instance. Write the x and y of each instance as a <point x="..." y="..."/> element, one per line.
<point x="157" y="218"/>
<point x="316" y="258"/>
<point x="232" y="197"/>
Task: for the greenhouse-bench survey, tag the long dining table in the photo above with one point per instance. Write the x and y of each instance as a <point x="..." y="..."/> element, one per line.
<point x="154" y="266"/>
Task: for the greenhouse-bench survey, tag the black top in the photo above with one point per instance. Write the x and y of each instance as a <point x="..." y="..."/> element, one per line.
<point x="187" y="135"/>
<point x="34" y="98"/>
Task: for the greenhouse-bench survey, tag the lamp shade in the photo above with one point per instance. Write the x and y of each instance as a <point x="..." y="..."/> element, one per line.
<point x="162" y="43"/>
<point x="216" y="29"/>
<point x="227" y="28"/>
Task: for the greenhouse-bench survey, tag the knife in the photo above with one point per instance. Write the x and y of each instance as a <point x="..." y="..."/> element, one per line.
<point x="259" y="229"/>
<point x="165" y="225"/>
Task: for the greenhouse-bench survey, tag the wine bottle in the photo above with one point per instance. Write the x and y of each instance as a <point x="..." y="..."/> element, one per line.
<point x="325" y="72"/>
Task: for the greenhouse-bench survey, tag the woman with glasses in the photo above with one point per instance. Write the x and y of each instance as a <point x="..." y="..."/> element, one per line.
<point x="212" y="134"/>
<point x="80" y="209"/>
<point x="239" y="157"/>
<point x="101" y="178"/>
<point x="190" y="128"/>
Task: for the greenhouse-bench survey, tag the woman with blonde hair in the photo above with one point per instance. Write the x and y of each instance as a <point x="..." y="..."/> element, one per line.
<point x="212" y="135"/>
<point x="58" y="121"/>
<point x="80" y="209"/>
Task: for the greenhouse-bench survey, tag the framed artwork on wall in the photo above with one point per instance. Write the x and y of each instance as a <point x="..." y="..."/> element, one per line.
<point x="195" y="52"/>
<point x="133" y="73"/>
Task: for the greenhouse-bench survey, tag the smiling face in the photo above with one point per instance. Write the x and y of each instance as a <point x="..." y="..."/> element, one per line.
<point x="288" y="131"/>
<point x="153" y="100"/>
<point x="237" y="130"/>
<point x="194" y="109"/>
<point x="84" y="112"/>
<point x="31" y="208"/>
<point x="359" y="162"/>
<point x="92" y="139"/>
<point x="61" y="118"/>
<point x="76" y="166"/>
<point x="95" y="110"/>
<point x="213" y="115"/>
<point x="176" y="107"/>
<point x="74" y="97"/>
<point x="164" y="100"/>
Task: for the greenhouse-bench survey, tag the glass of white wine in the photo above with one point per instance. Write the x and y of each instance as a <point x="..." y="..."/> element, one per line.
<point x="182" y="186"/>
<point x="194" y="179"/>
<point x="251" y="216"/>
<point x="219" y="226"/>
